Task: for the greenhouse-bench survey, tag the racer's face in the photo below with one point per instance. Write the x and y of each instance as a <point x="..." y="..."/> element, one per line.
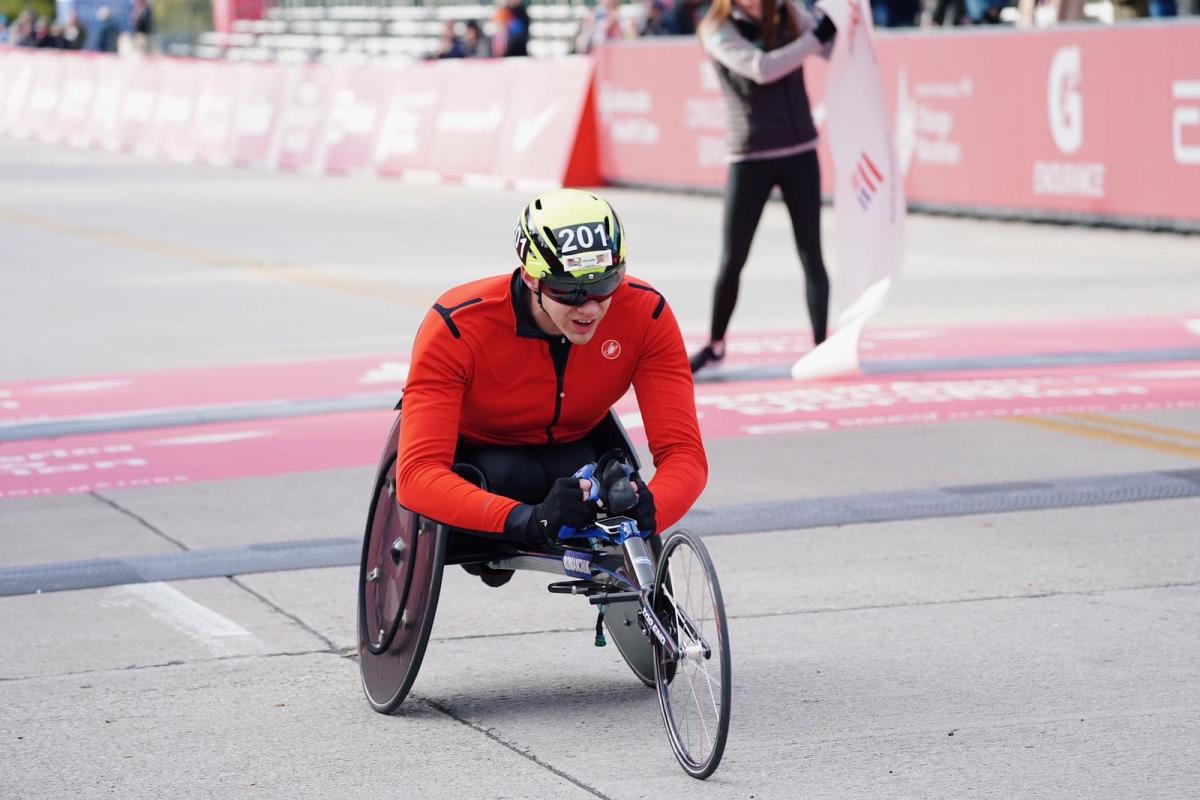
<point x="577" y="323"/>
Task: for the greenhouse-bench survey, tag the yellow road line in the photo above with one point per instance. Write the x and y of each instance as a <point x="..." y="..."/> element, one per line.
<point x="276" y="271"/>
<point x="1132" y="424"/>
<point x="1114" y="437"/>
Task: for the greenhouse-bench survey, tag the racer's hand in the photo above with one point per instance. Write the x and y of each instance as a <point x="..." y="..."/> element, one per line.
<point x="825" y="30"/>
<point x="564" y="505"/>
<point x="644" y="512"/>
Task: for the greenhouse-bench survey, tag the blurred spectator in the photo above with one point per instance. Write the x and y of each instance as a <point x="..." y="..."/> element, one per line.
<point x="1163" y="8"/>
<point x="74" y="33"/>
<point x="475" y="44"/>
<point x="142" y="18"/>
<point x="1130" y="9"/>
<point x="953" y="10"/>
<point x="21" y="34"/>
<point x="44" y="35"/>
<point x="685" y="14"/>
<point x="3" y="29"/>
<point x="654" y="19"/>
<point x="602" y="24"/>
<point x="512" y="29"/>
<point x="141" y="26"/>
<point x="106" y="31"/>
<point x="985" y="12"/>
<point x="895" y="13"/>
<point x="449" y="45"/>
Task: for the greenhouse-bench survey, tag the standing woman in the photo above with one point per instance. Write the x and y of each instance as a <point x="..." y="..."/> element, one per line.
<point x="758" y="49"/>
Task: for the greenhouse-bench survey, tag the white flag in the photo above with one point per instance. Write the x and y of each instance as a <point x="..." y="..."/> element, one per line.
<point x="868" y="195"/>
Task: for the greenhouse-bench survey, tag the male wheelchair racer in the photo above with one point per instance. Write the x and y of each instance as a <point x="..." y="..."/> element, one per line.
<point x="658" y="597"/>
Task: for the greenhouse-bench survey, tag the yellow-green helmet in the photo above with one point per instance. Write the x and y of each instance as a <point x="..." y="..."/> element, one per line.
<point x="569" y="232"/>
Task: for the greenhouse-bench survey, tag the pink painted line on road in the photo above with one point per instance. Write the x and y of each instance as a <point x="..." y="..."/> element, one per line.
<point x="338" y="441"/>
<point x="45" y="401"/>
<point x="882" y="345"/>
<point x="144" y="393"/>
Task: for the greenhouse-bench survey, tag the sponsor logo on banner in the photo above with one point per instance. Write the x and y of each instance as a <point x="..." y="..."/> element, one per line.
<point x="401" y="128"/>
<point x="610" y="349"/>
<point x="1064" y="105"/>
<point x="1065" y="101"/>
<point x="705" y="115"/>
<point x="865" y="180"/>
<point x="530" y="128"/>
<point x="471" y="121"/>
<point x="628" y="115"/>
<point x="1184" y="117"/>
<point x="924" y="129"/>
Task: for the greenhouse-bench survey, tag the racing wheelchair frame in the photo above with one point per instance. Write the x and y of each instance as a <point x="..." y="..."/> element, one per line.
<point x="658" y="598"/>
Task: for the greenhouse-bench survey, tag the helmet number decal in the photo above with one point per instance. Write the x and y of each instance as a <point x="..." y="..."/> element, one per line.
<point x="522" y="244"/>
<point x="585" y="237"/>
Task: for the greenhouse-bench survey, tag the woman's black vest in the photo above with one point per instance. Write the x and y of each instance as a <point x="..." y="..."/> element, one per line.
<point x="768" y="116"/>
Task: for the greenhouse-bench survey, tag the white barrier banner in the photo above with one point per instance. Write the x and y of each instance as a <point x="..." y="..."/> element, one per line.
<point x="868" y="195"/>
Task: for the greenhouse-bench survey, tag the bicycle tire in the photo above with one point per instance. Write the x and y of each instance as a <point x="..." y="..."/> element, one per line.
<point x="698" y="745"/>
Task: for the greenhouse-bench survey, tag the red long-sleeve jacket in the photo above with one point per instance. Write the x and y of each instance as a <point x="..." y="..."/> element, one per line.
<point x="482" y="369"/>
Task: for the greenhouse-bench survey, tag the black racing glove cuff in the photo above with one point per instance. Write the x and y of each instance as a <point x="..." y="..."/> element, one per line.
<point x="825" y="29"/>
<point x="564" y="505"/>
<point x="644" y="512"/>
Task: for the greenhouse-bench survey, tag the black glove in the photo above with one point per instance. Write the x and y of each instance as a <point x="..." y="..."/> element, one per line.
<point x="644" y="512"/>
<point x="564" y="505"/>
<point x="825" y="29"/>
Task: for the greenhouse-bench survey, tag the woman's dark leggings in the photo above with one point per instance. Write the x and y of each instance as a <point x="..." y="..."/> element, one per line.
<point x="750" y="182"/>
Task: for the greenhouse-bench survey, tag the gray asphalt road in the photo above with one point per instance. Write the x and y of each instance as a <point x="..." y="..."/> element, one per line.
<point x="1040" y="653"/>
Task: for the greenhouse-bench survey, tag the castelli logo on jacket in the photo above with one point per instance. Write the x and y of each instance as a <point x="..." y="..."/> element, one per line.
<point x="610" y="349"/>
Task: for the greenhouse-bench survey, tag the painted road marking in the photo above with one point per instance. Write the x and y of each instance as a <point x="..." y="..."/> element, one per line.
<point x="328" y="441"/>
<point x="194" y="620"/>
<point x="212" y="438"/>
<point x="79" y="387"/>
<point x="1093" y="426"/>
<point x="930" y="349"/>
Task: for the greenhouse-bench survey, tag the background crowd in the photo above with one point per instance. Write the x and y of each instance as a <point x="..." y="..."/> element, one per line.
<point x="130" y="24"/>
<point x="105" y="34"/>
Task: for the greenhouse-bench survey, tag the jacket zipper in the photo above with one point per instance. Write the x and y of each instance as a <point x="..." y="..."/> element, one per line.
<point x="559" y="350"/>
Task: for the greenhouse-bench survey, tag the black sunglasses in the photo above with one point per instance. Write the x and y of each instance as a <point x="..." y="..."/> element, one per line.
<point x="571" y="291"/>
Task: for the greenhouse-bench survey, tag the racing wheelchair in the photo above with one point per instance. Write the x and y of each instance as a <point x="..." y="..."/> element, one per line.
<point x="657" y="597"/>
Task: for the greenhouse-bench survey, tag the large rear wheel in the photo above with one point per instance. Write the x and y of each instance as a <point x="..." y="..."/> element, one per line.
<point x="694" y="691"/>
<point x="399" y="581"/>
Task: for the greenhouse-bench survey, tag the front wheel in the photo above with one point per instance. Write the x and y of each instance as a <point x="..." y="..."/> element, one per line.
<point x="694" y="691"/>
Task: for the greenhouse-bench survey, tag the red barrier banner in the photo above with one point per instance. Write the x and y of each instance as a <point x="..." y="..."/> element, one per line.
<point x="1093" y="122"/>
<point x="302" y="124"/>
<point x="264" y="92"/>
<point x="501" y="122"/>
<point x="405" y="137"/>
<point x="100" y="130"/>
<point x="140" y="95"/>
<point x="41" y="103"/>
<point x="356" y="115"/>
<point x="544" y="115"/>
<point x="216" y="107"/>
<point x="75" y="103"/>
<point x="168" y="134"/>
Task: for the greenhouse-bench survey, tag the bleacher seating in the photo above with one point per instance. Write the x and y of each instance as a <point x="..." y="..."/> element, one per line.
<point x="295" y="33"/>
